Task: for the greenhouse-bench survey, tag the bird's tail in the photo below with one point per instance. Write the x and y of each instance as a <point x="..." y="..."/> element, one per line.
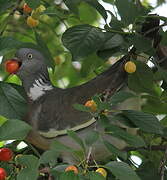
<point x="111" y="80"/>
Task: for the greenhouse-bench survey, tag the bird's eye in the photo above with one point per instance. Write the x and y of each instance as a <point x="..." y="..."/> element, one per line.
<point x="29" y="56"/>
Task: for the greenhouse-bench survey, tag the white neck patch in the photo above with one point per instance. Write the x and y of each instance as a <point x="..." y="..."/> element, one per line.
<point x="38" y="89"/>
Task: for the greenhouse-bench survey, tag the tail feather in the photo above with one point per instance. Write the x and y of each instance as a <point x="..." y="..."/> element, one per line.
<point x="111" y="79"/>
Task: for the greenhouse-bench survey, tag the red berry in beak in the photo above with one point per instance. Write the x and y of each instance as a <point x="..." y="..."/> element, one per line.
<point x="12" y="66"/>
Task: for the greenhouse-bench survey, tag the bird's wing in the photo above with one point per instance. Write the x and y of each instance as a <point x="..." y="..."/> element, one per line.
<point x="57" y="111"/>
<point x="55" y="114"/>
<point x="111" y="79"/>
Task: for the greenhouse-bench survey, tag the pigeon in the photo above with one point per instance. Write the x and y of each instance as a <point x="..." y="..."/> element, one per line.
<point x="50" y="109"/>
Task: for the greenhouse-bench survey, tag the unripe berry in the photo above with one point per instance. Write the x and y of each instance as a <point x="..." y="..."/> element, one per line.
<point x="32" y="22"/>
<point x="41" y="8"/>
<point x="37" y="12"/>
<point x="6" y="154"/>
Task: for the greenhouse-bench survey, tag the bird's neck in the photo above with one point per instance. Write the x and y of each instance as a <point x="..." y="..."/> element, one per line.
<point x="37" y="85"/>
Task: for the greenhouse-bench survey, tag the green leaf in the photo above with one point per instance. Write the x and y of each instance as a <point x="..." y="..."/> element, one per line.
<point x="98" y="7"/>
<point x="107" y="53"/>
<point x="81" y="107"/>
<point x="14" y="129"/>
<point x="29" y="161"/>
<point x="69" y="176"/>
<point x="120" y="118"/>
<point x="135" y="141"/>
<point x="55" y="12"/>
<point x="60" y="168"/>
<point x="82" y="40"/>
<point x="151" y="170"/>
<point x="95" y="176"/>
<point x="5" y="4"/>
<point x="126" y="6"/>
<point x="91" y="137"/>
<point x="142" y="79"/>
<point x="87" y="14"/>
<point x="89" y="66"/>
<point x="146" y="122"/>
<point x="8" y="44"/>
<point x="19" y="89"/>
<point x="12" y="104"/>
<point x="154" y="105"/>
<point x="121" y="171"/>
<point x="103" y="120"/>
<point x="141" y="43"/>
<point x="49" y="156"/>
<point x="121" y="96"/>
<point x="115" y="150"/>
<point x="33" y="4"/>
<point x="44" y="49"/>
<point x="76" y="138"/>
<point x="59" y="147"/>
<point x="2" y="120"/>
<point x="73" y="5"/>
<point x="114" y="44"/>
<point x="109" y="1"/>
<point x="31" y="165"/>
<point x="112" y="41"/>
<point x="116" y="24"/>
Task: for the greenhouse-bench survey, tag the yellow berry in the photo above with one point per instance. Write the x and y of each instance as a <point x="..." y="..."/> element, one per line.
<point x="105" y="112"/>
<point x="32" y="22"/>
<point x="92" y="105"/>
<point x="57" y="60"/>
<point x="37" y="12"/>
<point x="72" y="168"/>
<point x="41" y="8"/>
<point x="102" y="171"/>
<point x="130" y="67"/>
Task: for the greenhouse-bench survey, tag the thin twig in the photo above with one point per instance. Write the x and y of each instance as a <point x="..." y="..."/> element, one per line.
<point x="89" y="155"/>
<point x="34" y="150"/>
<point x="162" y="165"/>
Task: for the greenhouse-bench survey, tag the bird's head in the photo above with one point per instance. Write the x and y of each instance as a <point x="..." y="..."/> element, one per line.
<point x="31" y="61"/>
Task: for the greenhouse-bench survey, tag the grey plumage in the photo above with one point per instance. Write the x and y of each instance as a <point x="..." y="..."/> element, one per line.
<point x="51" y="107"/>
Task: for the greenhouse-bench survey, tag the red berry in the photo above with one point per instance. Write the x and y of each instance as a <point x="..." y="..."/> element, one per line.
<point x="11" y="66"/>
<point x="92" y="105"/>
<point x="3" y="174"/>
<point x="26" y="8"/>
<point x="6" y="154"/>
<point x="72" y="168"/>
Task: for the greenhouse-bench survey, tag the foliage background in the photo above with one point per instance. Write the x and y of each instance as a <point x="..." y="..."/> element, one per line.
<point x="77" y="48"/>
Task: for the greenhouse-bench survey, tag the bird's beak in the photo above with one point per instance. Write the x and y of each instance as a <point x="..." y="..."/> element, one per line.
<point x="19" y="63"/>
<point x="18" y="60"/>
